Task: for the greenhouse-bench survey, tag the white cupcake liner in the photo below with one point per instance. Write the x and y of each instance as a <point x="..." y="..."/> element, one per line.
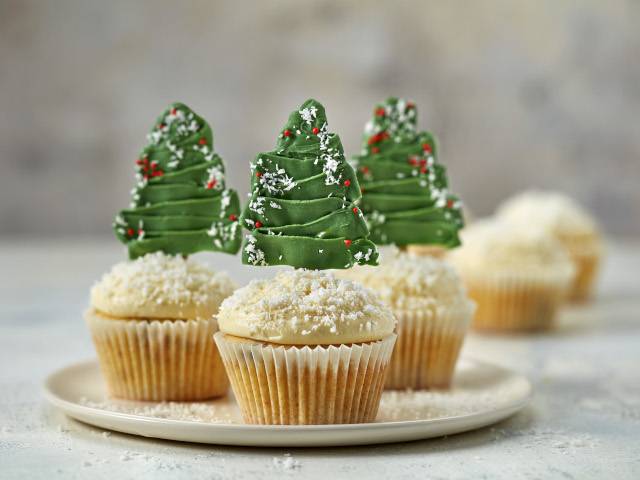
<point x="428" y="347"/>
<point x="586" y="260"/>
<point x="306" y="385"/>
<point x="518" y="301"/>
<point x="158" y="360"/>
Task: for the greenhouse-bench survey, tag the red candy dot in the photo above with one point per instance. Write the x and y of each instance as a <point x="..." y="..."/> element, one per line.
<point x="410" y="105"/>
<point x="157" y="173"/>
<point x="364" y="170"/>
<point x="315" y="130"/>
<point x="413" y="161"/>
<point x="426" y="147"/>
<point x="449" y="203"/>
<point x="232" y="217"/>
<point x="347" y="242"/>
<point x="424" y="170"/>
<point x="375" y="150"/>
<point x="380" y="112"/>
<point x="140" y="231"/>
<point x="258" y="223"/>
<point x="139" y="161"/>
<point x="202" y="141"/>
<point x="211" y="184"/>
<point x="161" y="126"/>
<point x="173" y="111"/>
<point x="130" y="232"/>
<point x="347" y="183"/>
<point x="355" y="210"/>
<point x="258" y="174"/>
<point x="286" y="133"/>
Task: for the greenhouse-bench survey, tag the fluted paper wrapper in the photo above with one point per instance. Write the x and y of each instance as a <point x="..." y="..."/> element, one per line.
<point x="306" y="385"/>
<point x="158" y="360"/>
<point x="427" y="348"/>
<point x="586" y="260"/>
<point x="517" y="302"/>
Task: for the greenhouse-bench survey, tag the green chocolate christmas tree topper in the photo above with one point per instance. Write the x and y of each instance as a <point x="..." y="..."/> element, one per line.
<point x="405" y="197"/>
<point x="302" y="211"/>
<point x="180" y="204"/>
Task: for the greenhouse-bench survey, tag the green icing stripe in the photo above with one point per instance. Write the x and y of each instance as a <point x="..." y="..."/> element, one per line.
<point x="301" y="252"/>
<point x="407" y="233"/>
<point x="405" y="196"/>
<point x="180" y="203"/>
<point x="302" y="210"/>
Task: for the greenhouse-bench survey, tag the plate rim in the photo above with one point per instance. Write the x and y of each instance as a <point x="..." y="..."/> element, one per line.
<point x="70" y="408"/>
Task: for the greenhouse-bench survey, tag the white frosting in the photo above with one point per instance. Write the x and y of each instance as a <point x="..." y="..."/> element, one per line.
<point x="407" y="282"/>
<point x="304" y="307"/>
<point x="551" y="211"/>
<point x="161" y="286"/>
<point x="492" y="245"/>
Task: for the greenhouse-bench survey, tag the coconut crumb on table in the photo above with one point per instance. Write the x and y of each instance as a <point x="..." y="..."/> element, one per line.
<point x="286" y="463"/>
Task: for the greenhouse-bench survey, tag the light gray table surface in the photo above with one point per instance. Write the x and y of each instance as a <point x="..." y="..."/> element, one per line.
<point x="583" y="422"/>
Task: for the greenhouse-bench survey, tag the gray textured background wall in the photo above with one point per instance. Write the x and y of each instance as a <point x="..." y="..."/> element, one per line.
<point x="536" y="93"/>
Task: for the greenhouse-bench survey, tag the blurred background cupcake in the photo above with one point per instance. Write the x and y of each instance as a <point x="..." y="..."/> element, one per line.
<point x="151" y="321"/>
<point x="306" y="348"/>
<point x="570" y="224"/>
<point x="433" y="314"/>
<point x="517" y="275"/>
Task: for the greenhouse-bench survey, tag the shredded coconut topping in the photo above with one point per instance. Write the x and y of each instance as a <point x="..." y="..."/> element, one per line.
<point x="305" y="307"/>
<point x="552" y="211"/>
<point x="499" y="245"/>
<point x="161" y="286"/>
<point x="406" y="282"/>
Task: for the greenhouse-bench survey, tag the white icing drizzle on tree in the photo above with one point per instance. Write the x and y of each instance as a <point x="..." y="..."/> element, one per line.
<point x="330" y="157"/>
<point x="275" y="182"/>
<point x="215" y="178"/>
<point x="257" y="205"/>
<point x="222" y="232"/>
<point x="255" y="256"/>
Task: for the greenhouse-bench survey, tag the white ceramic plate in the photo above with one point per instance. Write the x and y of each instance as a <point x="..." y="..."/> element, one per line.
<point x="482" y="394"/>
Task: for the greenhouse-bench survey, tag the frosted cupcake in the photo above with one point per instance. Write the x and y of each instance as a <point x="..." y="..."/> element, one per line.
<point x="517" y="276"/>
<point x="152" y="318"/>
<point x="151" y="321"/>
<point x="433" y="312"/>
<point x="569" y="223"/>
<point x="306" y="348"/>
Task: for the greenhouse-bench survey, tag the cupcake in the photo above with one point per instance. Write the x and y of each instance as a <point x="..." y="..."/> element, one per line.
<point x="517" y="275"/>
<point x="570" y="224"/>
<point x="306" y="348"/>
<point x="151" y="321"/>
<point x="433" y="312"/>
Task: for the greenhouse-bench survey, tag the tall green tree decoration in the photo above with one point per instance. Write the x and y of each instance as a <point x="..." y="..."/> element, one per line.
<point x="405" y="194"/>
<point x="180" y="204"/>
<point x="302" y="210"/>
